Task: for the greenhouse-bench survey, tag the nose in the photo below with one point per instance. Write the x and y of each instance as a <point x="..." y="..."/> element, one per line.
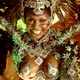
<point x="36" y="25"/>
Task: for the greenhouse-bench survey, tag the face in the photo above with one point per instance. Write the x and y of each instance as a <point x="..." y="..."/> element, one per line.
<point x="38" y="24"/>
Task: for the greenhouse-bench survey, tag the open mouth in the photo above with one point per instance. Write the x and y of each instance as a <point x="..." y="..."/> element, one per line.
<point x="36" y="31"/>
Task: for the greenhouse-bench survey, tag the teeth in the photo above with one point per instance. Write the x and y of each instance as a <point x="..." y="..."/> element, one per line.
<point x="36" y="31"/>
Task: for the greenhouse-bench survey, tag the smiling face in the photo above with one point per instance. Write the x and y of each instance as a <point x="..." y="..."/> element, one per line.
<point x="39" y="24"/>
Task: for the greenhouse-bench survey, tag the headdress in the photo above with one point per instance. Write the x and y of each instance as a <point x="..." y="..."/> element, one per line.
<point x="55" y="6"/>
<point x="37" y="5"/>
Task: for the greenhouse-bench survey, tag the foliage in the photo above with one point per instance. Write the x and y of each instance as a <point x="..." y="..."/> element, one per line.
<point x="17" y="59"/>
<point x="21" y="25"/>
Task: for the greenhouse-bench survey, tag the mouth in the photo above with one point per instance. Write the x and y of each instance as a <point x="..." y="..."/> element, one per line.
<point x="36" y="31"/>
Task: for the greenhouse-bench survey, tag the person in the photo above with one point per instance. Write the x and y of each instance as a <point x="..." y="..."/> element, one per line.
<point x="3" y="49"/>
<point x="43" y="52"/>
<point x="5" y="46"/>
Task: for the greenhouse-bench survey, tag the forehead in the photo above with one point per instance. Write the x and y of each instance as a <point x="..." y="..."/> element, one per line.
<point x="30" y="12"/>
<point x="44" y="15"/>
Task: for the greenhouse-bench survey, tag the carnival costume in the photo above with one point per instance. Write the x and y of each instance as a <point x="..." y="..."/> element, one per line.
<point x="55" y="45"/>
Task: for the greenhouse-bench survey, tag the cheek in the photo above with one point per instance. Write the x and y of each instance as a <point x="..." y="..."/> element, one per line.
<point x="28" y="25"/>
<point x="45" y="28"/>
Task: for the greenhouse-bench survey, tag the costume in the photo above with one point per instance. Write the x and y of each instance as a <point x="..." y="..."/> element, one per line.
<point x="55" y="47"/>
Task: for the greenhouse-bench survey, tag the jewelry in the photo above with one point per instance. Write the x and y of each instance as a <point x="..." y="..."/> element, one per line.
<point x="53" y="71"/>
<point x="37" y="5"/>
<point x="25" y="69"/>
<point x="40" y="49"/>
<point x="39" y="61"/>
<point x="40" y="75"/>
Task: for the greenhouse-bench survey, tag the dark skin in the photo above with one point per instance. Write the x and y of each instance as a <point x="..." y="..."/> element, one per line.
<point x="34" y="21"/>
<point x="39" y="25"/>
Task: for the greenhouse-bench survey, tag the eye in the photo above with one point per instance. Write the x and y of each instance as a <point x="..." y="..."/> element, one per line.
<point x="43" y="22"/>
<point x="29" y="20"/>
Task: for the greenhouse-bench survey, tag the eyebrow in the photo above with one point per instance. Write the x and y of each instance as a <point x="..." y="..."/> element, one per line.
<point x="28" y="18"/>
<point x="43" y="18"/>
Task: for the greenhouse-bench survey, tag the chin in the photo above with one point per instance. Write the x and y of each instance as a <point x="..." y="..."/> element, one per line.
<point x="37" y="37"/>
